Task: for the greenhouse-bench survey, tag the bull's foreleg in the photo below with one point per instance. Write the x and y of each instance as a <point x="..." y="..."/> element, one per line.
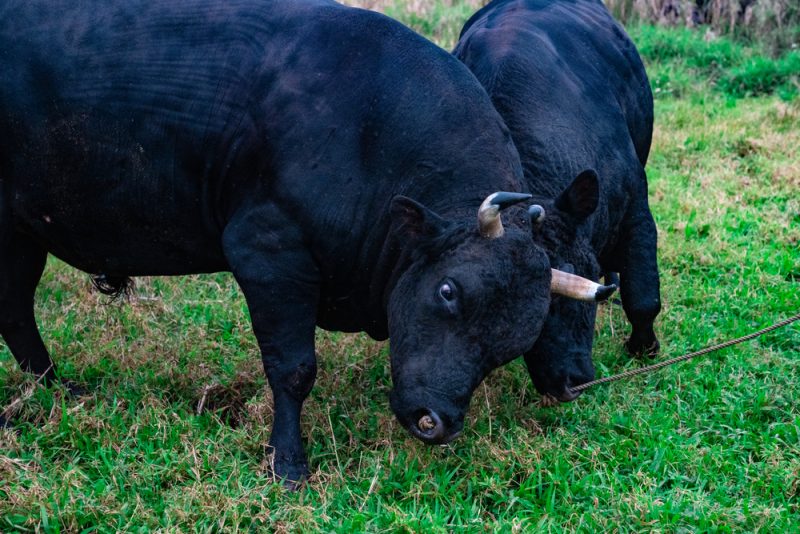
<point x="21" y="265"/>
<point x="280" y="283"/>
<point x="639" y="284"/>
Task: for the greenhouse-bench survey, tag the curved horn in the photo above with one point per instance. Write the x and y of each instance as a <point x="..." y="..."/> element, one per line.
<point x="579" y="288"/>
<point x="489" y="224"/>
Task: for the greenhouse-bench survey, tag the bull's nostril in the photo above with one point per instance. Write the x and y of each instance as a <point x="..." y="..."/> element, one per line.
<point x="430" y="428"/>
<point x="426" y="423"/>
<point x="569" y="394"/>
<point x="430" y="425"/>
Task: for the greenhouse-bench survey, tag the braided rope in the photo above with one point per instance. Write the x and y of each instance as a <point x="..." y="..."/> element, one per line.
<point x="665" y="363"/>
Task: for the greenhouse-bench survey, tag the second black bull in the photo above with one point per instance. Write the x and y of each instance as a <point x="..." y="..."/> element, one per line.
<point x="572" y="89"/>
<point x="282" y="141"/>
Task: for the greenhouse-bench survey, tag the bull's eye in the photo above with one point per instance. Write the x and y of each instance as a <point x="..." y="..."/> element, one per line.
<point x="448" y="297"/>
<point x="446" y="292"/>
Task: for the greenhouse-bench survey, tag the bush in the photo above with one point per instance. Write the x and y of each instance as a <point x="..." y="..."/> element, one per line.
<point x="661" y="44"/>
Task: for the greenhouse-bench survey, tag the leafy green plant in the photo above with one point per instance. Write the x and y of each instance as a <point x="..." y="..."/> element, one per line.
<point x="772" y="23"/>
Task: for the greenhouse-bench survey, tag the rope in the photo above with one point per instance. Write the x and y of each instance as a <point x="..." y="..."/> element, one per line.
<point x="665" y="363"/>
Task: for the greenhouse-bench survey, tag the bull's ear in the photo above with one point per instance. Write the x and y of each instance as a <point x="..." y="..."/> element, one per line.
<point x="413" y="221"/>
<point x="581" y="197"/>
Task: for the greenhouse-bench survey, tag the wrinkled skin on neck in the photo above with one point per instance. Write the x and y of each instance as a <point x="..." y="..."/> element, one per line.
<point x="463" y="306"/>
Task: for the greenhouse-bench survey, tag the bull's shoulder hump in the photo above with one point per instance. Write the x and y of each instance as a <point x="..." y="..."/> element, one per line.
<point x="367" y="56"/>
<point x="400" y="49"/>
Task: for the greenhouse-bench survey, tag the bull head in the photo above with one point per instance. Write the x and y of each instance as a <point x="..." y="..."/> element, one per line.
<point x="562" y="283"/>
<point x="463" y="304"/>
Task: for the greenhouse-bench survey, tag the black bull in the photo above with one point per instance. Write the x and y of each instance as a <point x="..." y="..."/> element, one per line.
<point x="572" y="89"/>
<point x="281" y="141"/>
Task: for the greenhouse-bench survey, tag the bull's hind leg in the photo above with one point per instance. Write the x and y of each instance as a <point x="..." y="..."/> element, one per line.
<point x="21" y="266"/>
<point x="639" y="284"/>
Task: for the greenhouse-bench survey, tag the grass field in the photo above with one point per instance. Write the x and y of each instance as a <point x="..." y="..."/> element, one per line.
<point x="710" y="445"/>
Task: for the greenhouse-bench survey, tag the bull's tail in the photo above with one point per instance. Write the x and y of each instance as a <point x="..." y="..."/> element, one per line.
<point x="113" y="286"/>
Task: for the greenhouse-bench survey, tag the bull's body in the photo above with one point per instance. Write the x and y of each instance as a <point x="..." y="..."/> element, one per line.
<point x="268" y="139"/>
<point x="130" y="156"/>
<point x="572" y="89"/>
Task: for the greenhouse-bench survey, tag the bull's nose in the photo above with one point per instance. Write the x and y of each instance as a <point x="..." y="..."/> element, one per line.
<point x="430" y="428"/>
<point x="569" y="394"/>
<point x="430" y="425"/>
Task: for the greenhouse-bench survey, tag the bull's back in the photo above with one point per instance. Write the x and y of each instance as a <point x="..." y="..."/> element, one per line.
<point x="124" y="119"/>
<point x="139" y="127"/>
<point x="583" y="77"/>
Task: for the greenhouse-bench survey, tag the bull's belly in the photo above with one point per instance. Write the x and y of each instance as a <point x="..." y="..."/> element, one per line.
<point x="110" y="197"/>
<point x="116" y="240"/>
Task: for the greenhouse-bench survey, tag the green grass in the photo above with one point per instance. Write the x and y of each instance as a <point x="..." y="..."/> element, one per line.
<point x="682" y="61"/>
<point x="710" y="445"/>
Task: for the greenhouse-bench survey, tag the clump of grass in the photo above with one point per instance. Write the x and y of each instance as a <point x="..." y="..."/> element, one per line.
<point x="760" y="75"/>
<point x="681" y="61"/>
<point x="656" y="43"/>
<point x="439" y="20"/>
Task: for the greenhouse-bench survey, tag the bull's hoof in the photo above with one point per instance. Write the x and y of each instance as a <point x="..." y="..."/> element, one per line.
<point x="293" y="485"/>
<point x="293" y="475"/>
<point x="642" y="348"/>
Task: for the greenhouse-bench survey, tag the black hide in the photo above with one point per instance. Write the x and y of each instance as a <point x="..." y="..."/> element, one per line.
<point x="145" y="137"/>
<point x="573" y="91"/>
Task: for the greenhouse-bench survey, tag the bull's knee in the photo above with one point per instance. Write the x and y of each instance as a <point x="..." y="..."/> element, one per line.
<point x="295" y="380"/>
<point x="300" y="380"/>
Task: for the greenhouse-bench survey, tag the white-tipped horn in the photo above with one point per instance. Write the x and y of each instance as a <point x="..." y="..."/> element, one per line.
<point x="579" y="288"/>
<point x="489" y="223"/>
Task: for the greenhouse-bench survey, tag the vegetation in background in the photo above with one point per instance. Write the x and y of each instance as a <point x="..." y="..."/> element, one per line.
<point x="681" y="57"/>
<point x="681" y="60"/>
<point x="774" y="23"/>
<point x="172" y="433"/>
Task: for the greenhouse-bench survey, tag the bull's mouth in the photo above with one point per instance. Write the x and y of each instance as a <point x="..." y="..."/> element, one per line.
<point x="568" y="395"/>
<point x="433" y="440"/>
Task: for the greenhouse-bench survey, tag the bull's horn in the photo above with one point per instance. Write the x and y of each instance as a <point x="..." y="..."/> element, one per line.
<point x="489" y="223"/>
<point x="579" y="288"/>
<point x="536" y="213"/>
